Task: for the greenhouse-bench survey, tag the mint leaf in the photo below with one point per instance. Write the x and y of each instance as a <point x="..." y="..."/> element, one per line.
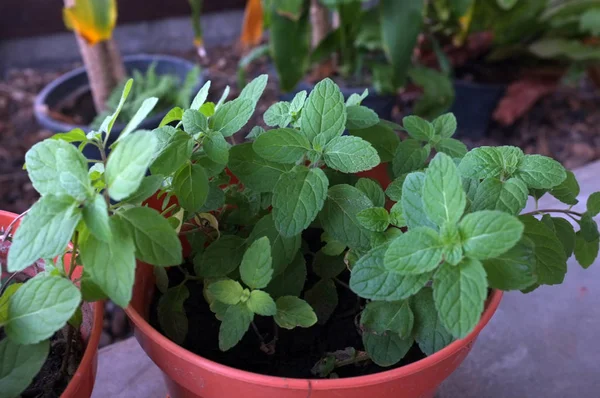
<point x="298" y="197"/>
<point x="382" y="138"/>
<point x="374" y="219"/>
<point x="396" y="216"/>
<point x="293" y="312"/>
<point x="5" y="300"/>
<point x="513" y="270"/>
<point x="372" y="280"/>
<point x="509" y="196"/>
<point x="108" y="123"/>
<point x="290" y="281"/>
<point x="412" y="201"/>
<point x="417" y="251"/>
<point x="162" y="279"/>
<point x="174" y="115"/>
<point x="75" y="135"/>
<point x="44" y="232"/>
<point x="232" y="116"/>
<point x="278" y="115"/>
<point x="261" y="303"/>
<point x="451" y="147"/>
<point x="256" y="269"/>
<point x="172" y="317"/>
<point x="323" y="298"/>
<point x="445" y="125"/>
<point x="95" y="216"/>
<point x="19" y="364"/>
<point x="564" y="232"/>
<point x="586" y="252"/>
<point x="220" y="258"/>
<point x="254" y="171"/>
<point x="550" y="258"/>
<point x="387" y="349"/>
<point x="443" y="197"/>
<point x="540" y="172"/>
<point x="350" y="154"/>
<point x="483" y="162"/>
<point x="235" y="324"/>
<point x="255" y="88"/>
<point x="208" y="109"/>
<point x="588" y="228"/>
<point x="281" y="146"/>
<point x="201" y="96"/>
<point x="489" y="233"/>
<point x="110" y="265"/>
<point x="156" y="242"/>
<point x="128" y="163"/>
<point x="360" y="117"/>
<point x="568" y="190"/>
<point x="194" y="122"/>
<point x="459" y="293"/>
<point x="40" y="307"/>
<point x="298" y="102"/>
<point x="419" y="129"/>
<point x="409" y="156"/>
<point x="373" y="190"/>
<point x="338" y="217"/>
<point x="388" y="316"/>
<point x="593" y="204"/>
<point x="140" y="115"/>
<point x="191" y="187"/>
<point x="226" y="291"/>
<point x="326" y="266"/>
<point x="174" y="149"/>
<point x="356" y="99"/>
<point x="283" y="248"/>
<point x="430" y="334"/>
<point x="324" y="112"/>
<point x="149" y="186"/>
<point x="394" y="190"/>
<point x="255" y="132"/>
<point x="216" y="148"/>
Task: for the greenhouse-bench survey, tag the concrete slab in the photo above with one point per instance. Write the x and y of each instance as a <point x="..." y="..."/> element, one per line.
<point x="543" y="344"/>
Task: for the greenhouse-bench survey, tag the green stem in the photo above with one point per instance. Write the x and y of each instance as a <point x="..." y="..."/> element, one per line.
<point x="541" y="211"/>
<point x="74" y="254"/>
<point x="103" y="156"/>
<point x="168" y="209"/>
<point x="344" y="284"/>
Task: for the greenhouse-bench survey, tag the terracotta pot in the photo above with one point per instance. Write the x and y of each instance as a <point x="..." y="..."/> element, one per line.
<point x="190" y="376"/>
<point x="82" y="383"/>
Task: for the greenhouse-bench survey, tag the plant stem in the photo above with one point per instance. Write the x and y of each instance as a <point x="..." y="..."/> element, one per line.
<point x="11" y="225"/>
<point x="344" y="284"/>
<point x="103" y="156"/>
<point x="65" y="360"/>
<point x="260" y="336"/>
<point x="567" y="212"/>
<point x="191" y="231"/>
<point x="74" y="254"/>
<point x="168" y="209"/>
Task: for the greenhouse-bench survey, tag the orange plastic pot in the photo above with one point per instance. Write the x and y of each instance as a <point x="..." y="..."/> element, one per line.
<point x="82" y="383"/>
<point x="190" y="376"/>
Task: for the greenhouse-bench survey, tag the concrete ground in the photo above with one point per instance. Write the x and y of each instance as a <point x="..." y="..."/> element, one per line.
<point x="543" y="344"/>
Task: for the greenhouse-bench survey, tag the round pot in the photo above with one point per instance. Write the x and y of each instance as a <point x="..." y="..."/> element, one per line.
<point x="190" y="376"/>
<point x="82" y="382"/>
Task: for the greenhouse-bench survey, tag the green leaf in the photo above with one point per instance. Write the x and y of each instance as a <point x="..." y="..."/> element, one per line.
<point x="283" y="249"/>
<point x="5" y="300"/>
<point x="430" y="334"/>
<point x="593" y="204"/>
<point x="232" y="116"/>
<point x="44" y="232"/>
<point x="324" y="112"/>
<point x="372" y="280"/>
<point x="550" y="258"/>
<point x="140" y="115"/>
<point x="382" y="138"/>
<point x="445" y="125"/>
<point x="418" y="128"/>
<point x="451" y="147"/>
<point x="208" y="109"/>
<point x="415" y="252"/>
<point x="194" y="122"/>
<point x="387" y="349"/>
<point x="172" y="317"/>
<point x="261" y="303"/>
<point x="396" y="216"/>
<point x="513" y="270"/>
<point x="409" y="156"/>
<point x="95" y="216"/>
<point x="149" y="186"/>
<point x="40" y="307"/>
<point x="323" y="298"/>
<point x="19" y="364"/>
<point x="459" y="293"/>
<point x="388" y="316"/>
<point x="586" y="252"/>
<point x="350" y="154"/>
<point x="90" y="292"/>
<point x="357" y="99"/>
<point x="201" y="96"/>
<point x="216" y="148"/>
<point x="255" y="88"/>
<point x="290" y="281"/>
<point x="509" y="196"/>
<point x="444" y="200"/>
<point x="489" y="233"/>
<point x="128" y="163"/>
<point x="506" y="4"/>
<point x="57" y="167"/>
<point x="589" y="228"/>
<point x="394" y="190"/>
<point x="565" y="233"/>
<point x="278" y="115"/>
<point x="191" y="187"/>
<point x="156" y="242"/>
<point x="174" y="115"/>
<point x="298" y="102"/>
<point x="174" y="149"/>
<point x="360" y="117"/>
<point x="541" y="172"/>
<point x="374" y="219"/>
<point x="339" y="216"/>
<point x="254" y="171"/>
<point x="162" y="279"/>
<point x="256" y="269"/>
<point x="220" y="258"/>
<point x="485" y="162"/>
<point x="298" y="197"/>
<point x="568" y="190"/>
<point x="226" y="291"/>
<point x="328" y="266"/>
<point x="75" y="135"/>
<point x="235" y="324"/>
<point x="412" y="201"/>
<point x="281" y="146"/>
<point x="110" y="265"/>
<point x="293" y="312"/>
<point x="373" y="191"/>
<point x="109" y="122"/>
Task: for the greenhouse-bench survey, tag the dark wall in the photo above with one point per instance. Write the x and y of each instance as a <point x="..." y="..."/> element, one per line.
<point x="24" y="18"/>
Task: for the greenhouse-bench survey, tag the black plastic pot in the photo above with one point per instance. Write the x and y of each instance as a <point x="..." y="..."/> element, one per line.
<point x="474" y="105"/>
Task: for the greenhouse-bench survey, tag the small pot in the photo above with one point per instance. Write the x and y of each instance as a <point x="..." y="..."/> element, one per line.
<point x="82" y="382"/>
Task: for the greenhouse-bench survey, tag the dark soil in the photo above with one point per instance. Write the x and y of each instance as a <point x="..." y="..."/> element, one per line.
<point x="76" y="109"/>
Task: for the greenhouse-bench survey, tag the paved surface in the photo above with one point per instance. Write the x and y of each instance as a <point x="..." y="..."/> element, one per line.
<point x="543" y="344"/>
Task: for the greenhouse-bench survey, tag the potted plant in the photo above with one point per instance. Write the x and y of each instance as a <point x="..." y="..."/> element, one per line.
<point x="88" y="227"/>
<point x="302" y="277"/>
